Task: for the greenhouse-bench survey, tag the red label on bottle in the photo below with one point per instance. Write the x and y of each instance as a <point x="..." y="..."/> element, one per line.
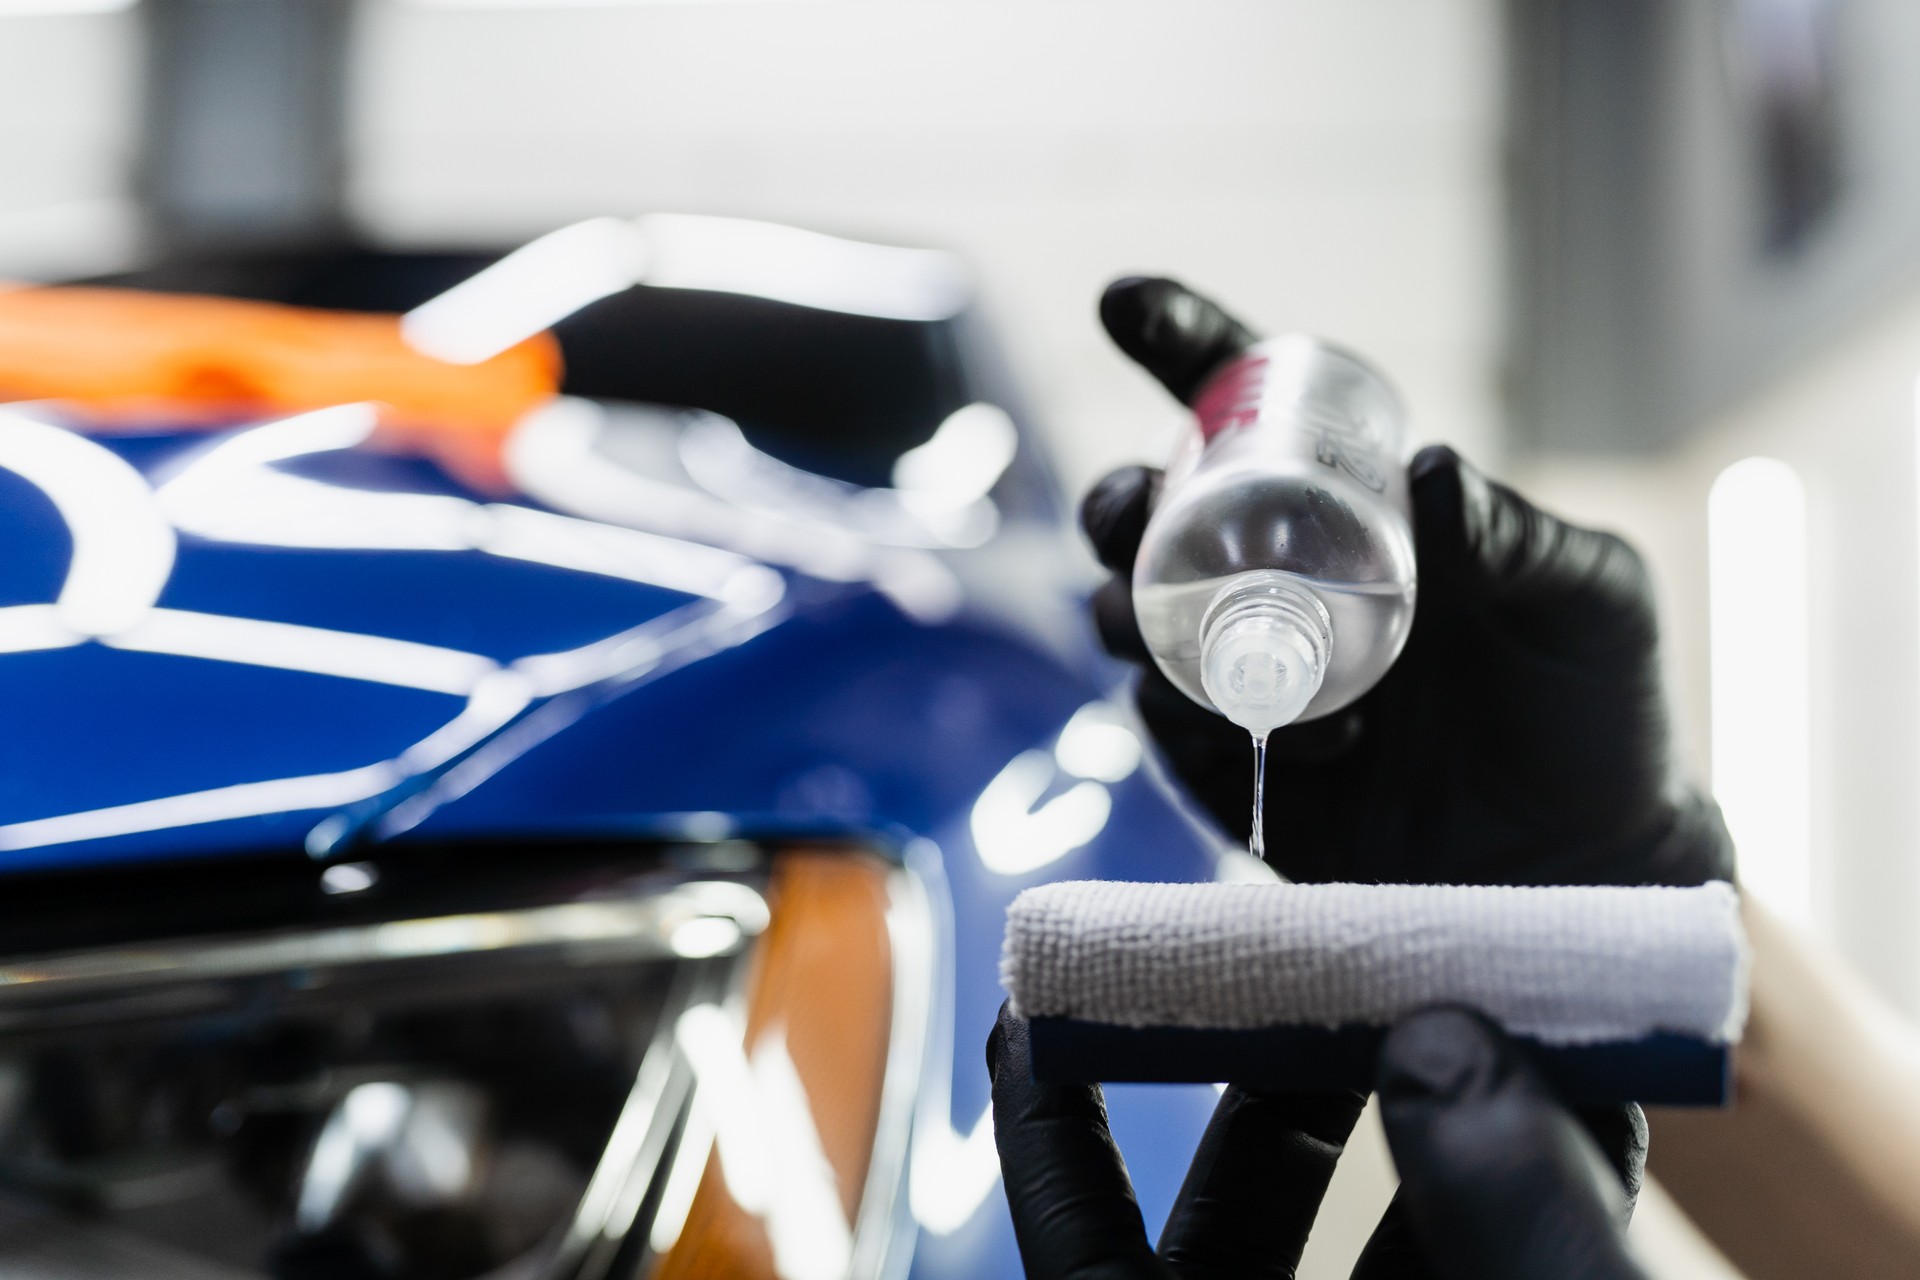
<point x="1344" y="438"/>
<point x="1231" y="398"/>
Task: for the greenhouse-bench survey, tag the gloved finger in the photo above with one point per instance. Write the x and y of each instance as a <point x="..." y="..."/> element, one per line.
<point x="1393" y="1251"/>
<point x="1316" y="741"/>
<point x="1074" y="1214"/>
<point x="1477" y="540"/>
<point x="1620" y="1135"/>
<point x="1256" y="1183"/>
<point x="1499" y="1181"/>
<point x="1692" y="847"/>
<point x="1116" y="624"/>
<point x="1114" y="514"/>
<point x="1172" y="332"/>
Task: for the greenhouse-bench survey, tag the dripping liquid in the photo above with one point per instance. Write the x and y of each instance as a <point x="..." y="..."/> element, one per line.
<point x="1259" y="842"/>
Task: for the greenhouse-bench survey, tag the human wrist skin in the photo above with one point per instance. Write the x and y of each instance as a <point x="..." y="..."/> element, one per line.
<point x="1816" y="1169"/>
<point x="1826" y="1048"/>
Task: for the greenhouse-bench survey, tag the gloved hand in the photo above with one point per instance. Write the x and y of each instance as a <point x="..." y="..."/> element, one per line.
<point x="1522" y="735"/>
<point x="1497" y="1180"/>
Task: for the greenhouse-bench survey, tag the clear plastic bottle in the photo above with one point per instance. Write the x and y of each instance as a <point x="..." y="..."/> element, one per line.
<point x="1275" y="581"/>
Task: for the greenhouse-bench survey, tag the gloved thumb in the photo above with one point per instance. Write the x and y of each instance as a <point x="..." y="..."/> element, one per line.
<point x="1498" y="1180"/>
<point x="1074" y="1214"/>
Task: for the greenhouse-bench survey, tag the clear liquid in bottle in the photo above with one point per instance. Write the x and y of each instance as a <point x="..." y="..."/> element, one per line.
<point x="1275" y="580"/>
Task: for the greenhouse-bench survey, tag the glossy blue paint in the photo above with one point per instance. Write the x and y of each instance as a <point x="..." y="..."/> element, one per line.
<point x="502" y="609"/>
<point x="840" y="715"/>
<point x="36" y="541"/>
<point x="88" y="727"/>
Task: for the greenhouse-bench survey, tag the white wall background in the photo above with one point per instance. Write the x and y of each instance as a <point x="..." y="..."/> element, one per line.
<point x="68" y="92"/>
<point x="1329" y="167"/>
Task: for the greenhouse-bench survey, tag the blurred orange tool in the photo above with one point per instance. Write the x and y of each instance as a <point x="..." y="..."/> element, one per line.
<point x="123" y="358"/>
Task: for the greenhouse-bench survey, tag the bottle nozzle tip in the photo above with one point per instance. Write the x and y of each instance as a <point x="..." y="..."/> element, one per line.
<point x="1264" y="652"/>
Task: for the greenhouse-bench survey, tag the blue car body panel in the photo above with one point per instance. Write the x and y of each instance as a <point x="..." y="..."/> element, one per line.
<point x="835" y="713"/>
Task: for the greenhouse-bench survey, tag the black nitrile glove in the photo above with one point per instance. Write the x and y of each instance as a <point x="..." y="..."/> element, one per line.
<point x="1497" y="1180"/>
<point x="1522" y="736"/>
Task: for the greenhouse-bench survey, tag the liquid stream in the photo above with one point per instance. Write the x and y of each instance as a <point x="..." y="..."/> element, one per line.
<point x="1259" y="841"/>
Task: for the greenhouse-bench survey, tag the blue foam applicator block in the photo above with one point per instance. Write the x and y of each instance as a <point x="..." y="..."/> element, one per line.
<point x="1619" y="994"/>
<point x="1658" y="1070"/>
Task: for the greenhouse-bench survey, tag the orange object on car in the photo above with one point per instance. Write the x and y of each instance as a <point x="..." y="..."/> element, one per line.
<point x="120" y="356"/>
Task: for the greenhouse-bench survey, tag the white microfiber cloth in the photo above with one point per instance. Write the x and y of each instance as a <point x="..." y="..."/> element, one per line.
<point x="1565" y="966"/>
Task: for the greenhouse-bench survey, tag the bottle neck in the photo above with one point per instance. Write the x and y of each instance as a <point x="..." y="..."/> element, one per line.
<point x="1265" y="642"/>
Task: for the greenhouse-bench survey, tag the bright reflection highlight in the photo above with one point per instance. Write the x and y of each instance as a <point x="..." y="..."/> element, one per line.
<point x="691" y="631"/>
<point x="1762" y="721"/>
<point x="548" y="279"/>
<point x="1097" y="744"/>
<point x="495" y="699"/>
<point x="786" y="264"/>
<point x="769" y="1146"/>
<point x="704" y="937"/>
<point x="1237" y="866"/>
<point x="348" y="878"/>
<point x="341" y="426"/>
<point x="122" y="544"/>
<point x="25" y="627"/>
<point x="1014" y="833"/>
<point x="585" y="546"/>
<point x="939" y="498"/>
<point x="532" y="288"/>
<point x="683" y="1179"/>
<point x="711" y="1042"/>
<point x="806" y="1224"/>
<point x="420" y="1139"/>
<point x="953" y="1174"/>
<point x="220" y="804"/>
<point x="960" y="463"/>
<point x="367" y="1119"/>
<point x="1013" y="837"/>
<point x="607" y="1206"/>
<point x="233" y="493"/>
<point x="553" y="455"/>
<point x="952" y="1171"/>
<point x="432" y="1161"/>
<point x="346" y="654"/>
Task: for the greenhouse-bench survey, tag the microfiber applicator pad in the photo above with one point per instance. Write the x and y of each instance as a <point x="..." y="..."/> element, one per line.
<point x="1624" y="994"/>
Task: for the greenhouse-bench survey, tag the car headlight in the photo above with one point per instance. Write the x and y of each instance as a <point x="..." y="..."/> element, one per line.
<point x="507" y="1062"/>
